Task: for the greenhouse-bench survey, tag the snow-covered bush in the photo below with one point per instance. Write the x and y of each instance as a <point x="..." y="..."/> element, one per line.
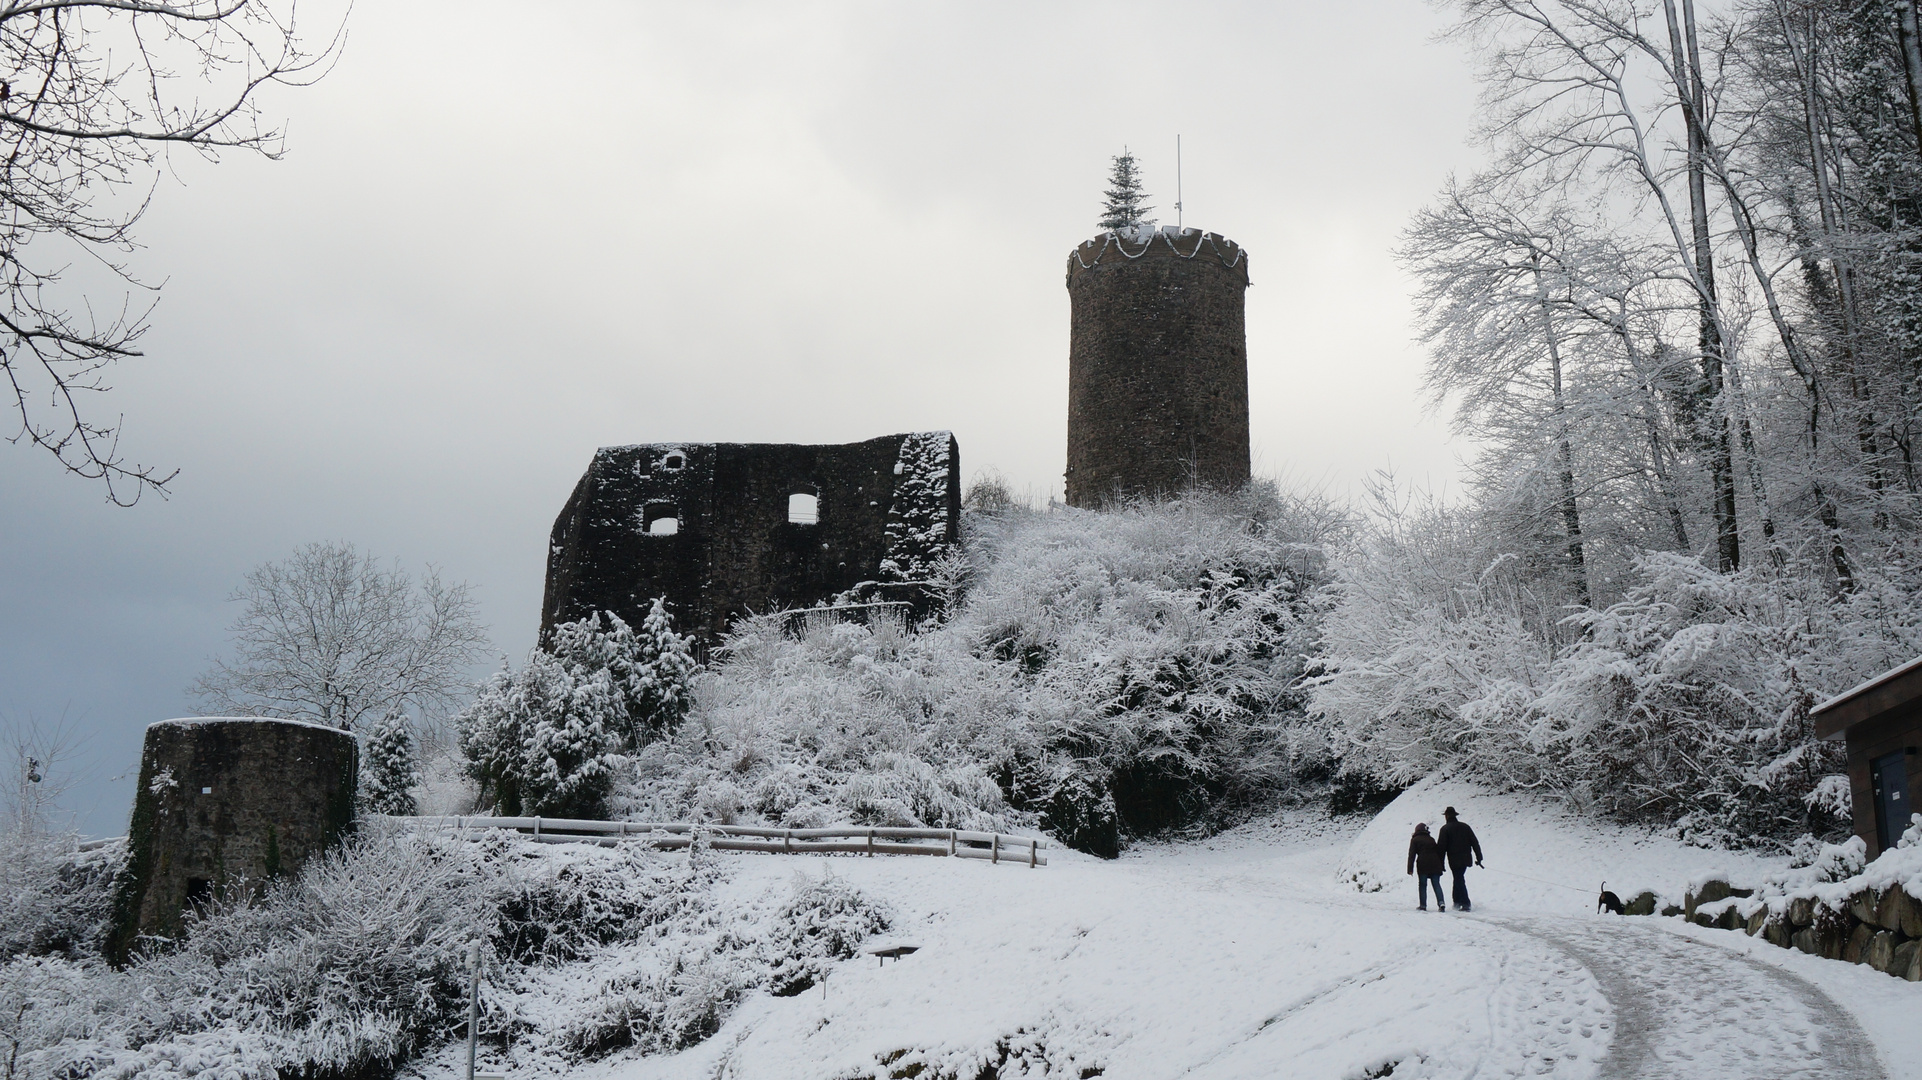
<point x="357" y="965"/>
<point x="390" y="767"/>
<point x="54" y="899"/>
<point x="825" y="922"/>
<point x="1099" y="674"/>
<point x="548" y="738"/>
<point x="1685" y="703"/>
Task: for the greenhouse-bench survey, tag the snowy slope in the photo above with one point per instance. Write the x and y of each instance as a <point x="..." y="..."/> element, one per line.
<point x="1255" y="955"/>
<point x="1236" y="959"/>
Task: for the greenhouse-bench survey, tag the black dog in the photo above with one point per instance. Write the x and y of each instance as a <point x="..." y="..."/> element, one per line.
<point x="1610" y="901"/>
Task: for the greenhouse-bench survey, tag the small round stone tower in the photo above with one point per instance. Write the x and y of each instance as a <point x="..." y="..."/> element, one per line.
<point x="224" y="801"/>
<point x="1157" y="365"/>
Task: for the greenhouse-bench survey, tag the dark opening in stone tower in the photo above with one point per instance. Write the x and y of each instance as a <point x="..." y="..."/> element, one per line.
<point x="1157" y="365"/>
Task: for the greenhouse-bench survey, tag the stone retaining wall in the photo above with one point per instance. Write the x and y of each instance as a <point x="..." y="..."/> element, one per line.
<point x="1881" y="928"/>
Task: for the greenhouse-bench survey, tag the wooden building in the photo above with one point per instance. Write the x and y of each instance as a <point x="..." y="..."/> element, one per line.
<point x="1880" y="722"/>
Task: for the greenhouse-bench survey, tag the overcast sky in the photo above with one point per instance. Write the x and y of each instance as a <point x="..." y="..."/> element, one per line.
<point x="504" y="236"/>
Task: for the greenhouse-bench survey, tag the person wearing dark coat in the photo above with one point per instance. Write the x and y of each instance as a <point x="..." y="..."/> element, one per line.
<point x="1425" y="857"/>
<point x="1457" y="840"/>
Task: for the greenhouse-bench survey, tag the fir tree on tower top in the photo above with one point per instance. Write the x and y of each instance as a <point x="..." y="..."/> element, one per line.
<point x="1122" y="206"/>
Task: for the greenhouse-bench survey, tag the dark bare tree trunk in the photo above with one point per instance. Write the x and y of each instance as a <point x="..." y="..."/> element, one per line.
<point x="1689" y="88"/>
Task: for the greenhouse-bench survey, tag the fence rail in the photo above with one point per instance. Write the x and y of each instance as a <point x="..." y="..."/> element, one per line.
<point x="849" y="840"/>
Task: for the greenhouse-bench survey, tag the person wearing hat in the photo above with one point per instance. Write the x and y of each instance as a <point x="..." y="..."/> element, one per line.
<point x="1425" y="855"/>
<point x="1456" y="841"/>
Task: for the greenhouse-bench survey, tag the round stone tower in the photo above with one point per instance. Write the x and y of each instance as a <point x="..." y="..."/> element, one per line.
<point x="224" y="801"/>
<point x="1157" y="365"/>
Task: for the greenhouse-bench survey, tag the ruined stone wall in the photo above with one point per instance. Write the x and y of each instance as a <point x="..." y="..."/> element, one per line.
<point x="222" y="802"/>
<point x="1157" y="365"/>
<point x="886" y="508"/>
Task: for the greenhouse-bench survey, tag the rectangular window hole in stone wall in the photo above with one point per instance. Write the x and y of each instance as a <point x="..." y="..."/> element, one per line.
<point x="661" y="519"/>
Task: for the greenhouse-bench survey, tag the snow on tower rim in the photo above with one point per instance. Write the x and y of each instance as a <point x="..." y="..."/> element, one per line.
<point x="186" y="721"/>
<point x="1137" y="241"/>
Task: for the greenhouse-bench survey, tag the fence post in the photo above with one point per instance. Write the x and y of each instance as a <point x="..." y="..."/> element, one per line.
<point x="994" y="855"/>
<point x="537" y="824"/>
<point x="950" y="843"/>
<point x="1032" y="845"/>
<point x="870" y="841"/>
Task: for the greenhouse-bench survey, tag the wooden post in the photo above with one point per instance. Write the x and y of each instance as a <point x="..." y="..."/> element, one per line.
<point x="994" y="855"/>
<point x="473" y="1004"/>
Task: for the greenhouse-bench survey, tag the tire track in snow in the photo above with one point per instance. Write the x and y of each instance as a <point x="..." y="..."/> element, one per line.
<point x="1687" y="1009"/>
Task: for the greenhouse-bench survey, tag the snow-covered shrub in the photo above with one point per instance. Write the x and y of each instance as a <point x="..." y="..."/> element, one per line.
<point x="357" y="965"/>
<point x="1098" y="674"/>
<point x="543" y="739"/>
<point x="824" y="922"/>
<point x="390" y="767"/>
<point x="1685" y="703"/>
<point x="653" y="1011"/>
<point x="1429" y="656"/>
<point x="54" y="899"/>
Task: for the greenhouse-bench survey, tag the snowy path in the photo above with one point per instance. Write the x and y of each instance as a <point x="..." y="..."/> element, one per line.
<point x="1686" y="1009"/>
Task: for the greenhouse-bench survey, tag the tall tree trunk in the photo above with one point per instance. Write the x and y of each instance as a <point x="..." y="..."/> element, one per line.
<point x="1689" y="89"/>
<point x="1571" y="514"/>
<point x="1909" y="35"/>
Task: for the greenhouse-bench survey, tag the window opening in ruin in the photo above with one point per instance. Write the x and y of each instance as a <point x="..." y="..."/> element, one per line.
<point x="661" y="519"/>
<point x="674" y="462"/>
<point x="804" y="508"/>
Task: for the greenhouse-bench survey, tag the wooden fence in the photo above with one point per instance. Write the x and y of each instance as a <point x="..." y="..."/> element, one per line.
<point x="852" y="840"/>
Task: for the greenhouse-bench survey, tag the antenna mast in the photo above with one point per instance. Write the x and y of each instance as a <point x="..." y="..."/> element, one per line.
<point x="1177" y="181"/>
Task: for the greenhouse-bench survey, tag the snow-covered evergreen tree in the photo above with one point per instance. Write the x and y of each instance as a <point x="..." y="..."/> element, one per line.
<point x="1123" y="205"/>
<point x="544" y="740"/>
<point x="390" y="767"/>
<point x="573" y="739"/>
<point x="660" y="687"/>
<point x="650" y="670"/>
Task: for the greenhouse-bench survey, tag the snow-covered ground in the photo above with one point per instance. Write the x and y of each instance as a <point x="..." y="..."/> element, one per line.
<point x="1255" y="955"/>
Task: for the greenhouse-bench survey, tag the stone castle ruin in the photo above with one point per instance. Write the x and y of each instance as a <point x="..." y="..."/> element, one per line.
<point x="722" y="530"/>
<point x="1157" y="403"/>
<point x="1157" y="365"/>
<point x="226" y="803"/>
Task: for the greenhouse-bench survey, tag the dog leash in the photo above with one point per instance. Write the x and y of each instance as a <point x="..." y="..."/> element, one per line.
<point x="1536" y="880"/>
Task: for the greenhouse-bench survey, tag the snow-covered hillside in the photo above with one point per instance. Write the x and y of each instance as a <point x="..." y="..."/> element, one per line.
<point x="1254" y="955"/>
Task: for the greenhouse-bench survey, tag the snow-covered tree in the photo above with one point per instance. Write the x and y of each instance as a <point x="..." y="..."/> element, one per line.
<point x="328" y="635"/>
<point x="1123" y="204"/>
<point x="544" y="740"/>
<point x="650" y="670"/>
<point x="390" y="767"/>
<point x="660" y="686"/>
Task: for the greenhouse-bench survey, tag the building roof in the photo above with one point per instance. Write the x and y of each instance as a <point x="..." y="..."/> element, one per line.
<point x="1889" y="690"/>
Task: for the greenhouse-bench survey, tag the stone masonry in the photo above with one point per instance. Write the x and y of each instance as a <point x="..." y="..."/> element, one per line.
<point x="1157" y="365"/>
<point x="722" y="530"/>
<point x="224" y="802"/>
